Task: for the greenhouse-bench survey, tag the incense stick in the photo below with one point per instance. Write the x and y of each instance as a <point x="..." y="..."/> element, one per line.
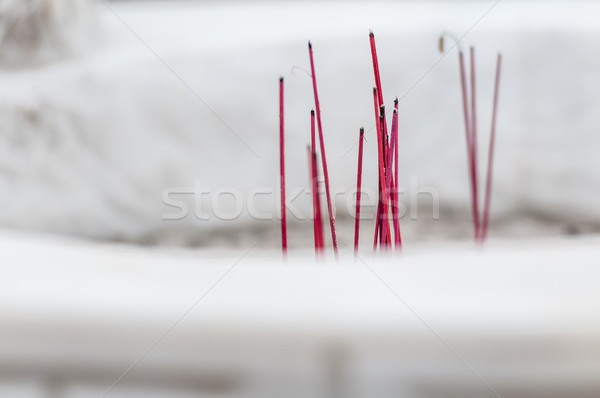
<point x="282" y="170"/>
<point x="488" y="185"/>
<point x="321" y="240"/>
<point x="396" y="147"/>
<point x="377" y="75"/>
<point x="317" y="220"/>
<point x="394" y="184"/>
<point x="323" y="157"/>
<point x="358" y="189"/>
<point x="384" y="222"/>
<point x="311" y="181"/>
<point x="379" y="205"/>
<point x="463" y="84"/>
<point x="386" y="238"/>
<point x="396" y="176"/>
<point x="474" y="162"/>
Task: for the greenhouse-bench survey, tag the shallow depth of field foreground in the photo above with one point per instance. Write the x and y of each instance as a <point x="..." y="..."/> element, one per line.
<point x="148" y="249"/>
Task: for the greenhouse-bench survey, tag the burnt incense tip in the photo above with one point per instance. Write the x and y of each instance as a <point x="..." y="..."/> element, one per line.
<point x="371" y="33"/>
<point x="312" y="112"/>
<point x="442" y="42"/>
<point x="374" y="90"/>
<point x="396" y="101"/>
<point x="395" y="111"/>
<point x="309" y="44"/>
<point x="362" y="130"/>
<point x="280" y="78"/>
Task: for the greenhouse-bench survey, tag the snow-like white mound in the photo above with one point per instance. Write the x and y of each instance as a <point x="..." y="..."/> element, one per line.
<point x="94" y="144"/>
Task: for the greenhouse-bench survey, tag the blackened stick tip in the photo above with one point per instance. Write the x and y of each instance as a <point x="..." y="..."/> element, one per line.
<point x="312" y="112"/>
<point x="280" y="78"/>
<point x="309" y="44"/>
<point x="371" y="33"/>
<point x="396" y="101"/>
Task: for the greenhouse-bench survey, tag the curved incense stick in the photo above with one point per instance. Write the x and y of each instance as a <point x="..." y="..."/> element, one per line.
<point x="358" y="189"/>
<point x="488" y="185"/>
<point x="323" y="157"/>
<point x="282" y="170"/>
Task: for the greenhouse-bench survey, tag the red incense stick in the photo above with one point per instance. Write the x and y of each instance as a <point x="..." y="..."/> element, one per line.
<point x="396" y="176"/>
<point x="488" y="185"/>
<point x="323" y="157"/>
<point x="474" y="163"/>
<point x="358" y="189"/>
<point x="282" y="170"/>
<point x="386" y="236"/>
<point x="312" y="176"/>
<point x="311" y="173"/>
<point x="383" y="198"/>
<point x="378" y="219"/>
<point x="376" y="73"/>
<point x="379" y="205"/>
<point x="393" y="186"/>
<point x="321" y="240"/>
<point x="463" y="84"/>
<point x="396" y="147"/>
<point x="317" y="220"/>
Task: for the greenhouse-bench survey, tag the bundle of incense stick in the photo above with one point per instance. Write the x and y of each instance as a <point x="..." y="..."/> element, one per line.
<point x="480" y="228"/>
<point x="386" y="236"/>
<point x="387" y="147"/>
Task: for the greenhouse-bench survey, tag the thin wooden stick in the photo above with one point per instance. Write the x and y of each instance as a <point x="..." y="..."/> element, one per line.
<point x="323" y="157"/>
<point x="488" y="185"/>
<point x="358" y="190"/>
<point x="282" y="170"/>
<point x="474" y="162"/>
